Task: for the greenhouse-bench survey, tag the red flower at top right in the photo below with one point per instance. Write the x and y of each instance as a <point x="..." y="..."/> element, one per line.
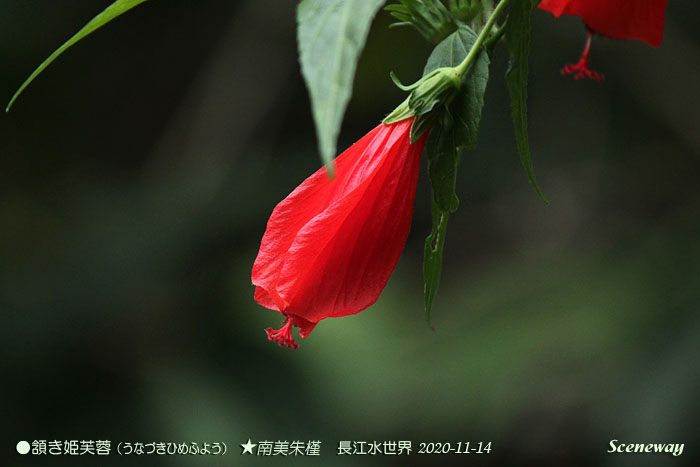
<point x="619" y="19"/>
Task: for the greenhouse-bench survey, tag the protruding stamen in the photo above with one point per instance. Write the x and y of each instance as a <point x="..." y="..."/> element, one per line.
<point x="283" y="336"/>
<point x="581" y="68"/>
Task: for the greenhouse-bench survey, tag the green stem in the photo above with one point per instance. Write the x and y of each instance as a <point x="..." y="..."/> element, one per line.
<point x="471" y="56"/>
<point x="495" y="37"/>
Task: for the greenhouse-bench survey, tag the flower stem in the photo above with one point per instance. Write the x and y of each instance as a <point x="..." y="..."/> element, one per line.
<point x="471" y="56"/>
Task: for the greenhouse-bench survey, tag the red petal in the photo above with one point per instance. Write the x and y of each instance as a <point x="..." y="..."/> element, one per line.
<point x="620" y="19"/>
<point x="331" y="245"/>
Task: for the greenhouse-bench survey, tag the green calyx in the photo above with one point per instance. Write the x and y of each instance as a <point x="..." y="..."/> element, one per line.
<point x="438" y="86"/>
<point x="429" y="96"/>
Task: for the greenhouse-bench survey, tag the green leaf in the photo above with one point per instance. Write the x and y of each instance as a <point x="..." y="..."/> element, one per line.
<point x="469" y="101"/>
<point x="432" y="260"/>
<point x="458" y="128"/>
<point x="115" y="9"/>
<point x="331" y="35"/>
<point x="443" y="159"/>
<point x="517" y="37"/>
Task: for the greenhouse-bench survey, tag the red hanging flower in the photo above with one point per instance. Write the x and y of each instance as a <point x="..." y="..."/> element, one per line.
<point x="332" y="244"/>
<point x="619" y="19"/>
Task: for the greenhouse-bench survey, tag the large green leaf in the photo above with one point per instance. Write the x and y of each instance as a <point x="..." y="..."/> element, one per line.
<point x="111" y="12"/>
<point x="517" y="36"/>
<point x="331" y="35"/>
<point x="469" y="101"/>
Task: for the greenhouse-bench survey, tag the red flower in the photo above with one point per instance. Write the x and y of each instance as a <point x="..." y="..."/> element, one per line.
<point x="332" y="244"/>
<point x="619" y="19"/>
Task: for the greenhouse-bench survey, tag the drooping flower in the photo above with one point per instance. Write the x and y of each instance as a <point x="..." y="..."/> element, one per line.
<point x="331" y="245"/>
<point x="619" y="19"/>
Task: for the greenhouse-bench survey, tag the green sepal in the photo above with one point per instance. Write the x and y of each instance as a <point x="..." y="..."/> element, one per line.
<point x="402" y="112"/>
<point x="422" y="124"/>
<point x="437" y="87"/>
<point x="427" y="100"/>
<point x="402" y="86"/>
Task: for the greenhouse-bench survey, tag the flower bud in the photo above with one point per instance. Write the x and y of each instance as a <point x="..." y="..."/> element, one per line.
<point x="331" y="245"/>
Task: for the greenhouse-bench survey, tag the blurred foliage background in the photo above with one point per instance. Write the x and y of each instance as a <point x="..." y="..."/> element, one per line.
<point x="137" y="174"/>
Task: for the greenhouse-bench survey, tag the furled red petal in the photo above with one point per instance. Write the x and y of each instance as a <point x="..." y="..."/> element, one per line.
<point x="620" y="19"/>
<point x="332" y="244"/>
<point x="291" y="214"/>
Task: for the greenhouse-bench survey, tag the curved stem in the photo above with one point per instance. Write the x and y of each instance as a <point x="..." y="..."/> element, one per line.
<point x="471" y="56"/>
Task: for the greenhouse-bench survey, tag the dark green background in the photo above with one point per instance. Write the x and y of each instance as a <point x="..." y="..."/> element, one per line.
<point x="136" y="177"/>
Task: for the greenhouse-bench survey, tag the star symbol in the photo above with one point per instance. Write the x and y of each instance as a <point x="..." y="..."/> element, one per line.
<point x="248" y="447"/>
